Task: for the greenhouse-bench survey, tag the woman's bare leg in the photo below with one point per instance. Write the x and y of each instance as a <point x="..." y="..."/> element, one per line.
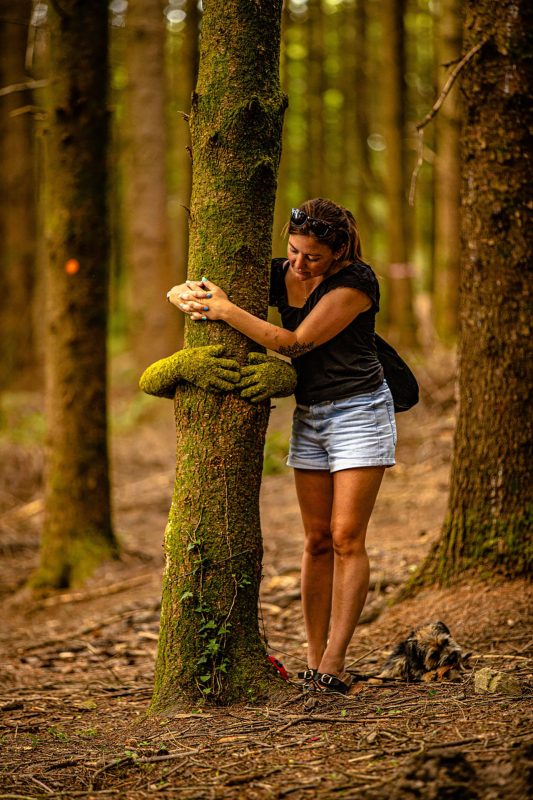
<point x="315" y="496"/>
<point x="354" y="495"/>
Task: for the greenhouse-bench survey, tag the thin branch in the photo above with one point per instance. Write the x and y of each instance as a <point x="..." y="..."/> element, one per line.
<point x="434" y="111"/>
<point x="449" y="83"/>
<point x="21" y="87"/>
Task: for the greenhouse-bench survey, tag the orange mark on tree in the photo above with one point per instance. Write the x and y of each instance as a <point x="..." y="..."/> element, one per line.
<point x="72" y="266"/>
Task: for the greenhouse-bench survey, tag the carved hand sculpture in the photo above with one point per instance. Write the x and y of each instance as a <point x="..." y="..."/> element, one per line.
<point x="208" y="368"/>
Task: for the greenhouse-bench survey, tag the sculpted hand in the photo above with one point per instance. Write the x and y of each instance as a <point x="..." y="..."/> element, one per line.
<point x="264" y="377"/>
<point x="205" y="367"/>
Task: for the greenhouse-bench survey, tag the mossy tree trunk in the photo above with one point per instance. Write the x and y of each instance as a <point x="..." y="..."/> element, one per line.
<point x="77" y="531"/>
<point x="145" y="182"/>
<point x="488" y="526"/>
<point x="18" y="279"/>
<point x="210" y="646"/>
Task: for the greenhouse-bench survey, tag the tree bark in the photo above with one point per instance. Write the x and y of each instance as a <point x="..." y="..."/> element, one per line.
<point x="488" y="526"/>
<point x="18" y="215"/>
<point x="360" y="120"/>
<point x="316" y="86"/>
<point x="182" y="73"/>
<point x="210" y="646"/>
<point x="399" y="306"/>
<point x="154" y="334"/>
<point x="447" y="178"/>
<point x="77" y="532"/>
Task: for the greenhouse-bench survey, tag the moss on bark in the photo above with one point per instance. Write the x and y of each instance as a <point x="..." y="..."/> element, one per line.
<point x="210" y="646"/>
<point x="488" y="527"/>
<point x="77" y="530"/>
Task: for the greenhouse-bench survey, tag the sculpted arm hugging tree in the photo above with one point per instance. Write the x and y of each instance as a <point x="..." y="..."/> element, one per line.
<point x="208" y="368"/>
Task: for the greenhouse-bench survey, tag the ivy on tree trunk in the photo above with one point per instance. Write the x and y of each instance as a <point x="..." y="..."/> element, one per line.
<point x="210" y="645"/>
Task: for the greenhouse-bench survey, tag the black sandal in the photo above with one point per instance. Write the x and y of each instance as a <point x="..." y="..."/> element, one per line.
<point x="330" y="683"/>
<point x="310" y="678"/>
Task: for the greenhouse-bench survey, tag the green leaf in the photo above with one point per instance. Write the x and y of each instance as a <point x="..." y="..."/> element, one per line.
<point x="185" y="595"/>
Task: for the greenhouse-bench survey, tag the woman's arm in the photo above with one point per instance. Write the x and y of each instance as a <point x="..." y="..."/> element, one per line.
<point x="328" y="318"/>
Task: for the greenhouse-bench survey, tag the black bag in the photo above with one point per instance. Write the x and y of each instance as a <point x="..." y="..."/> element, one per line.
<point x="401" y="381"/>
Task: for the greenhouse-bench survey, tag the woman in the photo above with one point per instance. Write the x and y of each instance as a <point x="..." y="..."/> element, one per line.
<point x="344" y="431"/>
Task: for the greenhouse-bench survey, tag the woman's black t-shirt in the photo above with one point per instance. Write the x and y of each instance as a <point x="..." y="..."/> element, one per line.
<point x="347" y="364"/>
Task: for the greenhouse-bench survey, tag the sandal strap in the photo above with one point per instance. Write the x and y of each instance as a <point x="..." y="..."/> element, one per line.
<point x="308" y="674"/>
<point x="333" y="683"/>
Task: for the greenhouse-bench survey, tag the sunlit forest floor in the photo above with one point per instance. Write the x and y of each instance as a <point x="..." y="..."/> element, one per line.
<point x="77" y="667"/>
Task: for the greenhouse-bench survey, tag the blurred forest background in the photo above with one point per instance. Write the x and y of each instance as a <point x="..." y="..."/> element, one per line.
<point x="359" y="75"/>
<point x="95" y="187"/>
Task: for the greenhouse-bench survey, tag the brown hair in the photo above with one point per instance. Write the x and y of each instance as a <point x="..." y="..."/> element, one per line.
<point x="345" y="231"/>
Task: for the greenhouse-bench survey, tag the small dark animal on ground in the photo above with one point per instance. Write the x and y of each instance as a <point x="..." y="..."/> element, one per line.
<point x="429" y="653"/>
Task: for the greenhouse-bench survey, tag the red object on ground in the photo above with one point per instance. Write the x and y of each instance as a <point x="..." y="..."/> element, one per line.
<point x="278" y="666"/>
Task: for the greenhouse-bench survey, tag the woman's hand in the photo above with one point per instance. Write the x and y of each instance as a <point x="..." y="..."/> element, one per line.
<point x="195" y="288"/>
<point x="201" y="300"/>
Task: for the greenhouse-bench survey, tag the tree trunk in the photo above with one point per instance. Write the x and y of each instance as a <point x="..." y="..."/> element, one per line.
<point x="399" y="307"/>
<point x="447" y="178"/>
<point x="18" y="212"/>
<point x="488" y="526"/>
<point x="182" y="71"/>
<point x="283" y="204"/>
<point x="360" y="92"/>
<point x="154" y="332"/>
<point x="210" y="646"/>
<point x="316" y="86"/>
<point x="77" y="531"/>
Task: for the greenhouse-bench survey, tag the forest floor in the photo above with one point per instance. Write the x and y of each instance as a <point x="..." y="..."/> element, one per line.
<point x="76" y="668"/>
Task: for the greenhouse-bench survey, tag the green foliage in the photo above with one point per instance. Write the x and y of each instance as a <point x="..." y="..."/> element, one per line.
<point x="21" y="422"/>
<point x="58" y="734"/>
<point x="275" y="454"/>
<point x="127" y="416"/>
<point x="213" y="627"/>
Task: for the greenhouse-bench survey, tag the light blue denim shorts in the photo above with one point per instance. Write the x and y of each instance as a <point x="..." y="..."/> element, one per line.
<point x="352" y="432"/>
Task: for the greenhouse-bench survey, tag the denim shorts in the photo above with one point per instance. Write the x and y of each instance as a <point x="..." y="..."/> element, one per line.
<point x="352" y="432"/>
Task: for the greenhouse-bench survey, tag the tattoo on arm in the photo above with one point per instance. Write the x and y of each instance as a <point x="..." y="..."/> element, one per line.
<point x="295" y="350"/>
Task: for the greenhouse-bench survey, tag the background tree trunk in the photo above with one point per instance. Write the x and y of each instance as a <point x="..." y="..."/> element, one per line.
<point x="77" y="531"/>
<point x="448" y="42"/>
<point x="488" y="526"/>
<point x="210" y="644"/>
<point x="182" y="72"/>
<point x="18" y="363"/>
<point x="360" y="92"/>
<point x="400" y="314"/>
<point x="316" y="156"/>
<point x="154" y="332"/>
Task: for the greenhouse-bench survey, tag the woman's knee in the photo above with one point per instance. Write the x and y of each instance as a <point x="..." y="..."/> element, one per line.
<point x="348" y="541"/>
<point x="318" y="541"/>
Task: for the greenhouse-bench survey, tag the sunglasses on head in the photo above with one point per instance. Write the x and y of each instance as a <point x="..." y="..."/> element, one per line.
<point x="320" y="228"/>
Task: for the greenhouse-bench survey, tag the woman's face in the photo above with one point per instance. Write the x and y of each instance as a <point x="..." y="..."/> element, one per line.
<point x="309" y="257"/>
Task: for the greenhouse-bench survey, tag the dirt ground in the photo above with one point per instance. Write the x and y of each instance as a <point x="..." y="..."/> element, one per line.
<point x="76" y="668"/>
